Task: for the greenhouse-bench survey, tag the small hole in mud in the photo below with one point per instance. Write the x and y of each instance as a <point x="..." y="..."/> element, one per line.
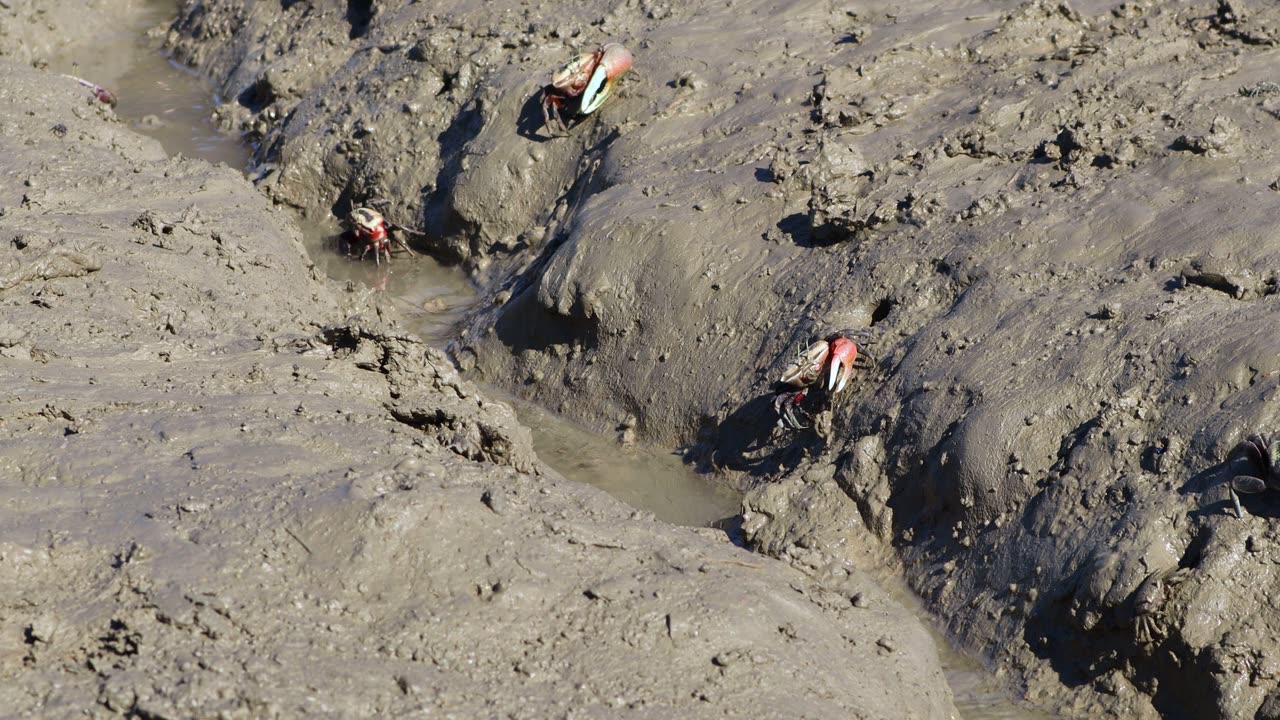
<point x="449" y="79"/>
<point x="257" y="96"/>
<point x="1195" y="549"/>
<point x="359" y="15"/>
<point x="882" y="310"/>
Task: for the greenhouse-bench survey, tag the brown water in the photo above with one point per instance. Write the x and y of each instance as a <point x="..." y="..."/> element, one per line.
<point x="156" y="96"/>
<point x="432" y="298"/>
<point x="173" y="105"/>
<point x="647" y="478"/>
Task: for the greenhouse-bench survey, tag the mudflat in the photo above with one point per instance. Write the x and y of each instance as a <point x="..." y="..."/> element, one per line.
<point x="234" y="488"/>
<point x="1057" y="219"/>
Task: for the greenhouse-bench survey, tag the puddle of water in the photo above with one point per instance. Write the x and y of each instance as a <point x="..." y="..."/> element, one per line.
<point x="642" y="477"/>
<point x="157" y="97"/>
<point x="978" y="694"/>
<point x="433" y="300"/>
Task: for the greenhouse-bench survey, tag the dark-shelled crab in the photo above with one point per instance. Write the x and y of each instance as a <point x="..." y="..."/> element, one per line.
<point x="1260" y="456"/>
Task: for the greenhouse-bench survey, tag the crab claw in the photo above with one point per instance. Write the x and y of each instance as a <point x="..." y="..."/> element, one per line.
<point x="807" y="366"/>
<point x="843" y="354"/>
<point x="103" y="95"/>
<point x="581" y="86"/>
<point x="612" y="60"/>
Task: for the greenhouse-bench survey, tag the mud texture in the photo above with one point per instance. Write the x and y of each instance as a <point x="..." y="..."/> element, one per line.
<point x="1058" y="219"/>
<point x="233" y="489"/>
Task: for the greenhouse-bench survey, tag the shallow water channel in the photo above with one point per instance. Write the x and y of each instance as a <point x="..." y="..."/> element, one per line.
<point x="161" y="99"/>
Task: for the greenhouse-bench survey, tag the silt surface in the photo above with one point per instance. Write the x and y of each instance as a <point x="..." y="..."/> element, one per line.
<point x="1057" y="220"/>
<point x="233" y="487"/>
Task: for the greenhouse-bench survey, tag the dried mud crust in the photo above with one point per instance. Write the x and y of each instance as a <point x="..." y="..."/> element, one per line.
<point x="231" y="489"/>
<point x="1059" y="221"/>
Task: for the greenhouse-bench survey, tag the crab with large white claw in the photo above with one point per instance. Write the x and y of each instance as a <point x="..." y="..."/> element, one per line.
<point x="839" y="352"/>
<point x="581" y="87"/>
<point x="104" y="96"/>
<point x="834" y="358"/>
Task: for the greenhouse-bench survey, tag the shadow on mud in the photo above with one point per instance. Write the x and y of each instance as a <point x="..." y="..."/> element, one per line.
<point x="525" y="325"/>
<point x="750" y="440"/>
<point x="798" y="228"/>
<point x="531" y="125"/>
<point x="1213" y="485"/>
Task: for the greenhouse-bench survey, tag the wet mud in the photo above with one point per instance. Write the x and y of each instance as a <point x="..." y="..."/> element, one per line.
<point x="236" y="487"/>
<point x="1055" y="218"/>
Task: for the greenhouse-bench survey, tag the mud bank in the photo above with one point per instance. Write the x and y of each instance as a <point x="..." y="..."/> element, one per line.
<point x="1058" y="220"/>
<point x="233" y="488"/>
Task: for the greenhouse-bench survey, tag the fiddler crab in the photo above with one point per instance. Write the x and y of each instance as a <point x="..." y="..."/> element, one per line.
<point x="104" y="95"/>
<point x="833" y="357"/>
<point x="582" y="86"/>
<point x="1150" y="604"/>
<point x="1261" y="453"/>
<point x="373" y="232"/>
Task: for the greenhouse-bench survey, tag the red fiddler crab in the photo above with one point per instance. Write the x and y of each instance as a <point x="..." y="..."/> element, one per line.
<point x="104" y="95"/>
<point x="833" y="357"/>
<point x="1261" y="454"/>
<point x="583" y="85"/>
<point x="372" y="231"/>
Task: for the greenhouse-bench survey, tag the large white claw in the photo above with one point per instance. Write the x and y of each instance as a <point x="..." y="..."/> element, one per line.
<point x="598" y="90"/>
<point x="835" y="373"/>
<point x="844" y="378"/>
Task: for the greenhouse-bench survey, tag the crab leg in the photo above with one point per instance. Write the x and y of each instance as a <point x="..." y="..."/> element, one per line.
<point x="404" y="245"/>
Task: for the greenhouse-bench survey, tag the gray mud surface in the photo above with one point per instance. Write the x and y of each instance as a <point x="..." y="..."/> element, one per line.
<point x="1058" y="219"/>
<point x="233" y="488"/>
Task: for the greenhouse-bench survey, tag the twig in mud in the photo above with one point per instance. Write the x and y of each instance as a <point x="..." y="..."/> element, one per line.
<point x="525" y="567"/>
<point x="405" y="245"/>
<point x="410" y="230"/>
<point x="605" y="545"/>
<point x="1016" y="174"/>
<point x="295" y="537"/>
<point x="739" y="563"/>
